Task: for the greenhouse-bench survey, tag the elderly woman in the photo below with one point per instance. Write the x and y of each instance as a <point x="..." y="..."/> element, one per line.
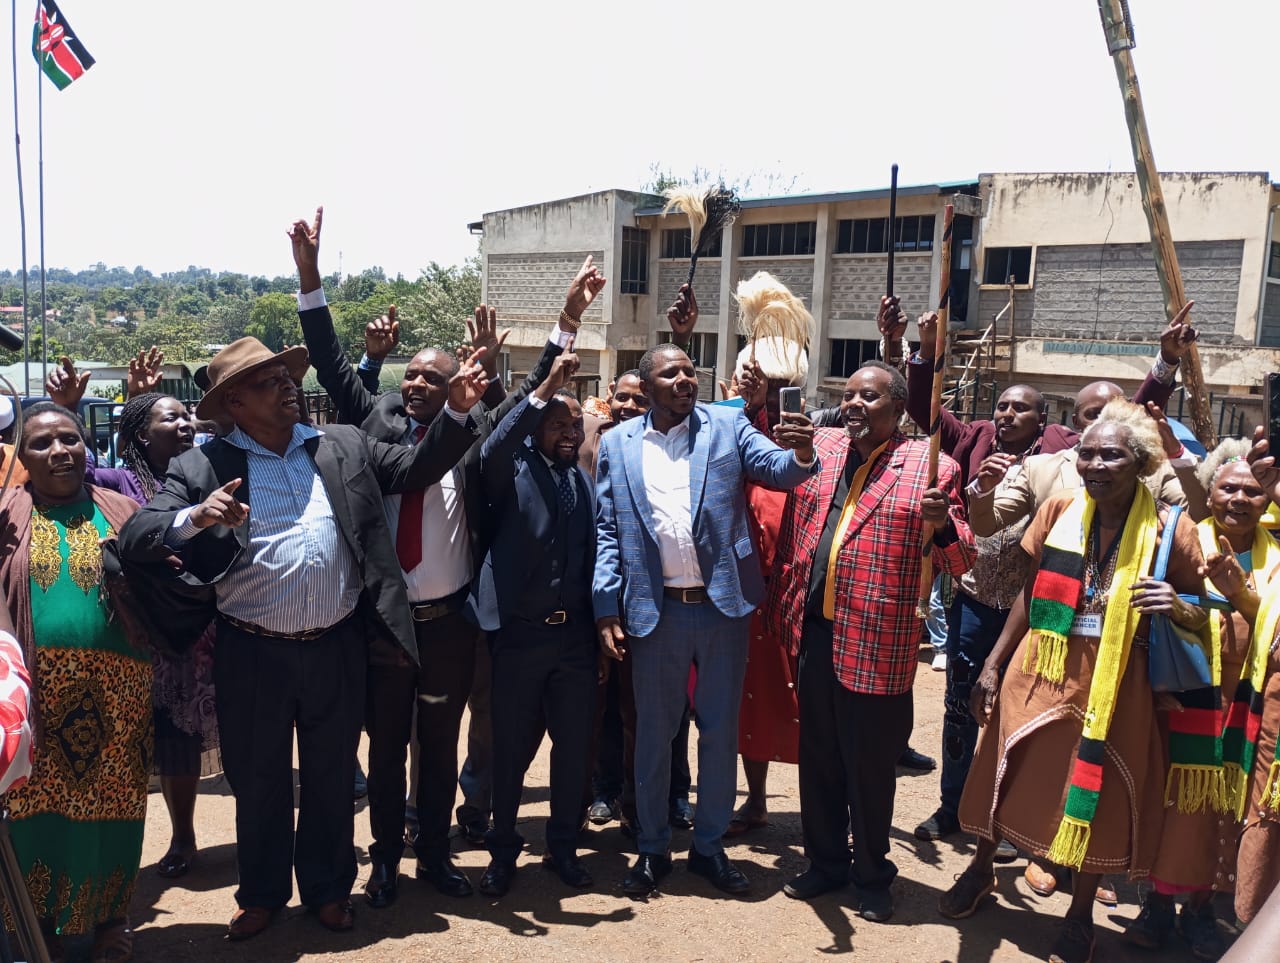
<point x="1198" y="855"/>
<point x="153" y="429"/>
<point x="77" y="823"/>
<point x="1071" y="766"/>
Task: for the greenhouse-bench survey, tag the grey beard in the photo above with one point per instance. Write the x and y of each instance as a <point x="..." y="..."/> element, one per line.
<point x="858" y="433"/>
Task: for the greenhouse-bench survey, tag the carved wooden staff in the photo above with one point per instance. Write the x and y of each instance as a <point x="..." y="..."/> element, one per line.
<point x="935" y="410"/>
<point x="1118" y="28"/>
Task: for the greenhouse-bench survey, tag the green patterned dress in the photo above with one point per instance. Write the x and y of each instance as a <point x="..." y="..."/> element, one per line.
<point x="77" y="824"/>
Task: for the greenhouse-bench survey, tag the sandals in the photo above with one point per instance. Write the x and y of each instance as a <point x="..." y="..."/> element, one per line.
<point x="741" y="824"/>
<point x="113" y="943"/>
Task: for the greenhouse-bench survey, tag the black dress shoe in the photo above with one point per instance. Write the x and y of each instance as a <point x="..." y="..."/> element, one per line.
<point x="445" y="877"/>
<point x="723" y="875"/>
<point x="649" y="870"/>
<point x="916" y="761"/>
<point x="383" y="886"/>
<point x="876" y="905"/>
<point x="497" y="878"/>
<point x="569" y="868"/>
<point x="811" y="884"/>
<point x="680" y="814"/>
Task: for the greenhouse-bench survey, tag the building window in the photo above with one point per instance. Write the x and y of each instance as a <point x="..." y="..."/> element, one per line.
<point x="870" y="235"/>
<point x="1003" y="263"/>
<point x="1273" y="269"/>
<point x="778" y="240"/>
<point x="677" y="244"/>
<point x="848" y="354"/>
<point x="702" y="347"/>
<point x="627" y="361"/>
<point x="635" y="261"/>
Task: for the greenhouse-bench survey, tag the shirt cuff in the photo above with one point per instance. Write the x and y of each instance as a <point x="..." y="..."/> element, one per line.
<point x="311" y="299"/>
<point x="536" y="402"/>
<point x="1162" y="371"/>
<point x="560" y="337"/>
<point x="973" y="491"/>
<point x="182" y="530"/>
<point x="459" y="416"/>
<point x="370" y="364"/>
<point x="914" y="358"/>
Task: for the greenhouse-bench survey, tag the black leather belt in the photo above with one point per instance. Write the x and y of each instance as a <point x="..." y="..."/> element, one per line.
<point x="689" y="596"/>
<point x="439" y="608"/>
<point x="306" y="636"/>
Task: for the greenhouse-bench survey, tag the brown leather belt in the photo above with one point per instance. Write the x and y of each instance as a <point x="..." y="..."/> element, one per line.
<point x="306" y="636"/>
<point x="438" y="609"/>
<point x="689" y="596"/>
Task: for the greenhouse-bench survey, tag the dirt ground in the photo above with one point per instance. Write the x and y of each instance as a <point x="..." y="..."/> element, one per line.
<point x="540" y="919"/>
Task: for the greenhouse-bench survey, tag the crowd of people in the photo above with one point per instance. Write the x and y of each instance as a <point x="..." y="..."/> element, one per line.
<point x="604" y="572"/>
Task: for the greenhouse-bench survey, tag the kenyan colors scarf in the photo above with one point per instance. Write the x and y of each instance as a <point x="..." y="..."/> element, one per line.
<point x="1244" y="715"/>
<point x="1055" y="598"/>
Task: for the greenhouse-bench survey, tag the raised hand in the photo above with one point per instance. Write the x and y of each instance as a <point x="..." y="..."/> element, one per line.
<point x="890" y="319"/>
<point x="382" y="335"/>
<point x="306" y="250"/>
<point x="753" y="386"/>
<point x="485" y="338"/>
<point x="1224" y="571"/>
<point x="64" y="385"/>
<point x="1176" y="340"/>
<point x="561" y="374"/>
<point x="728" y="389"/>
<point x="221" y="508"/>
<point x="683" y="314"/>
<point x="584" y="287"/>
<point x="993" y="468"/>
<point x="1263" y="464"/>
<point x="145" y="372"/>
<point x="467" y="386"/>
<point x="928" y="325"/>
<point x="1168" y="440"/>
<point x="795" y="431"/>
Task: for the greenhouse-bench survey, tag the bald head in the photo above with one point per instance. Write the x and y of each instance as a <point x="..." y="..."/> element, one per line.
<point x="1090" y="401"/>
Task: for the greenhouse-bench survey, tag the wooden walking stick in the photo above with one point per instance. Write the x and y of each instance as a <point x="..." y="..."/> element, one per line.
<point x="1118" y="28"/>
<point x="935" y="410"/>
<point x="892" y="353"/>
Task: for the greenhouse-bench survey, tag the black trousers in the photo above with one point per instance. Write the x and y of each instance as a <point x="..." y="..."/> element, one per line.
<point x="544" y="680"/>
<point x="266" y="689"/>
<point x="849" y="746"/>
<point x="440" y="685"/>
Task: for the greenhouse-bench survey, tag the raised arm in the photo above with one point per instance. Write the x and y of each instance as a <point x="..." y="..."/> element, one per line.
<point x="920" y="388"/>
<point x="1175" y="341"/>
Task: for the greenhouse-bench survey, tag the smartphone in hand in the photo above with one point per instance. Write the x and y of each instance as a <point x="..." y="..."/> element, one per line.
<point x="791" y="400"/>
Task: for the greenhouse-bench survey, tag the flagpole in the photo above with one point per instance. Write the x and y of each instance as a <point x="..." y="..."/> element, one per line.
<point x="44" y="312"/>
<point x="22" y="207"/>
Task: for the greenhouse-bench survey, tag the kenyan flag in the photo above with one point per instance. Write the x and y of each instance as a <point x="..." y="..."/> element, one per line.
<point x="57" y="50"/>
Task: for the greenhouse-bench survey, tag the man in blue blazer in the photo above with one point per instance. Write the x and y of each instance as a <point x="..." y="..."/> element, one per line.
<point x="534" y="600"/>
<point x="676" y="580"/>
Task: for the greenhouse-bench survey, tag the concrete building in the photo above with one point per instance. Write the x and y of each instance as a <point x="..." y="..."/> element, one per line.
<point x="1086" y="299"/>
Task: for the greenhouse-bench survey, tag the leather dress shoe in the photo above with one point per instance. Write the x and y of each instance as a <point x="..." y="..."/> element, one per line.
<point x="473" y="831"/>
<point x="723" y="875"/>
<point x="338" y="916"/>
<point x="569" y="868"/>
<point x="248" y="921"/>
<point x="645" y="875"/>
<point x="680" y="813"/>
<point x="876" y="905"/>
<point x="444" y="876"/>
<point x="383" y="886"/>
<point x="497" y="878"/>
<point x="603" y="811"/>
<point x="916" y="761"/>
<point x="811" y="884"/>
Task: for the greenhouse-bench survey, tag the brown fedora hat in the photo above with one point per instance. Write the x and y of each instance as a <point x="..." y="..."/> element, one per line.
<point x="234" y="362"/>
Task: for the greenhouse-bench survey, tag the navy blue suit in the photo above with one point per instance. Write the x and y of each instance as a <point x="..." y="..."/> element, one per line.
<point x="534" y="600"/>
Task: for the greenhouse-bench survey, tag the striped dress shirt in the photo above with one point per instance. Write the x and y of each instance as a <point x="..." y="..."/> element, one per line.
<point x="298" y="573"/>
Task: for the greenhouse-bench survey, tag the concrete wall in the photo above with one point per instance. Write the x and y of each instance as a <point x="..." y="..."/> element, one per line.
<point x="857" y="284"/>
<point x="671" y="274"/>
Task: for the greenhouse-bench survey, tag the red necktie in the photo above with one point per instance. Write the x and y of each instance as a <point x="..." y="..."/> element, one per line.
<point x="409" y="526"/>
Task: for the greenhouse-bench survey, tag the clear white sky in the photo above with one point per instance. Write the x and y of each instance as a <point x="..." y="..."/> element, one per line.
<point x="204" y="129"/>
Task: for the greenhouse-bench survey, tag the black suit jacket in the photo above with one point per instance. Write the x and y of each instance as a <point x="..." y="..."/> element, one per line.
<point x="356" y="471"/>
<point x="384" y="417"/>
<point x="525" y="505"/>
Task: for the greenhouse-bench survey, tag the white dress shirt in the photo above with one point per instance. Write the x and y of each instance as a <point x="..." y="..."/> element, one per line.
<point x="665" y="466"/>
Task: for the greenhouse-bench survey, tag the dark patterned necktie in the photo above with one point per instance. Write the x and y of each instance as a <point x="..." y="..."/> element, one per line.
<point x="409" y="525"/>
<point x="565" y="487"/>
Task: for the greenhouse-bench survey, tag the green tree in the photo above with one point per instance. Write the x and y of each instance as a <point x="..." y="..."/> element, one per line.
<point x="273" y="320"/>
<point x="435" y="313"/>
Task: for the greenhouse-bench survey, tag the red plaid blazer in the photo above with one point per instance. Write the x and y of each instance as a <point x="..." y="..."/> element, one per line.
<point x="878" y="569"/>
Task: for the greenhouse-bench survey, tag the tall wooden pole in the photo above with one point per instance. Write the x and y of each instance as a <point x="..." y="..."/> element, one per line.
<point x="1119" y="33"/>
<point x="892" y="353"/>
<point x="935" y="409"/>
